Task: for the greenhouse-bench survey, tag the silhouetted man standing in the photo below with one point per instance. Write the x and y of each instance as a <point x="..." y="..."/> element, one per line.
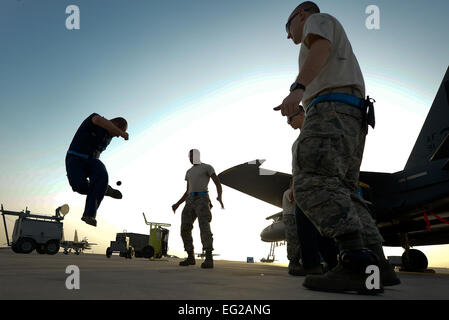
<point x="198" y="205"/>
<point x="327" y="158"/>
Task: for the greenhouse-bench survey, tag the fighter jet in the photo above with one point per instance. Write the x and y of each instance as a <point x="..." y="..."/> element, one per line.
<point x="411" y="206"/>
<point x="76" y="245"/>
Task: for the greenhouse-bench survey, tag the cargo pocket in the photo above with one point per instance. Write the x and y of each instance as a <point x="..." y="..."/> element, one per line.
<point x="320" y="154"/>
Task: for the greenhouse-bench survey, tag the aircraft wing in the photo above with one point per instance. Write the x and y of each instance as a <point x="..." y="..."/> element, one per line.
<point x="249" y="178"/>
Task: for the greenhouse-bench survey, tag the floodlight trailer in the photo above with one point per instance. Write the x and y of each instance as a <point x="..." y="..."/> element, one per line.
<point x="33" y="231"/>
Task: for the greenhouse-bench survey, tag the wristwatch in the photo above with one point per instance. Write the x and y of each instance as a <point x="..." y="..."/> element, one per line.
<point x="297" y="85"/>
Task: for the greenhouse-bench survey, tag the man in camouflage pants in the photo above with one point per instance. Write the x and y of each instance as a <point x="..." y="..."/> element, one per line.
<point x="198" y="205"/>
<point x="329" y="149"/>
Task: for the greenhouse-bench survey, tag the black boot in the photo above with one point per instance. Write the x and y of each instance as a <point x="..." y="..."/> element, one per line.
<point x="298" y="269"/>
<point x="113" y="193"/>
<point x="208" y="262"/>
<point x="89" y="220"/>
<point x="387" y="274"/>
<point x="348" y="276"/>
<point x="189" y="261"/>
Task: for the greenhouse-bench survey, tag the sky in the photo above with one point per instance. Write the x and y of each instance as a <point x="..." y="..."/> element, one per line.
<point x="199" y="74"/>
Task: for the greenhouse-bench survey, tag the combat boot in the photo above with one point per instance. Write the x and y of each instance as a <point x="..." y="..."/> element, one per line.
<point x="387" y="274"/>
<point x="208" y="262"/>
<point x="89" y="220"/>
<point x="113" y="193"/>
<point x="349" y="275"/>
<point x="298" y="269"/>
<point x="189" y="261"/>
<point x="293" y="266"/>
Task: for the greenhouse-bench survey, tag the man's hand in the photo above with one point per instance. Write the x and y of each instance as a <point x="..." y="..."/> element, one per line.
<point x="174" y="207"/>
<point x="221" y="202"/>
<point x="290" y="105"/>
<point x="125" y="135"/>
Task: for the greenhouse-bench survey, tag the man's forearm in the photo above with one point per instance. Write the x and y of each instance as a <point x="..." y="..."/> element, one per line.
<point x="109" y="126"/>
<point x="315" y="61"/>
<point x="184" y="197"/>
<point x="219" y="189"/>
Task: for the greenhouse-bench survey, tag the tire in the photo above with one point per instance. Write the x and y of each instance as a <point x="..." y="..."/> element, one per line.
<point x="41" y="248"/>
<point x="147" y="252"/>
<point x="130" y="253"/>
<point x="52" y="247"/>
<point x="26" y="245"/>
<point x="108" y="252"/>
<point x="414" y="260"/>
<point x="14" y="248"/>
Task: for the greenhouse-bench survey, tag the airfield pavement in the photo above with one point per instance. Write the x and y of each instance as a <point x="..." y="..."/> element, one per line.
<point x="34" y="276"/>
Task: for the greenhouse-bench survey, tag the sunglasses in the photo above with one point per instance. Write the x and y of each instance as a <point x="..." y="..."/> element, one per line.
<point x="287" y="25"/>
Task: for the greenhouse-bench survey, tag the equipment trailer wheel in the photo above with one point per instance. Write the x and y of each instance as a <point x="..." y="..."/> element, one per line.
<point x="147" y="252"/>
<point x="130" y="253"/>
<point x="26" y="245"/>
<point x="41" y="248"/>
<point x="14" y="248"/>
<point x="52" y="247"/>
<point x="108" y="252"/>
<point x="414" y="260"/>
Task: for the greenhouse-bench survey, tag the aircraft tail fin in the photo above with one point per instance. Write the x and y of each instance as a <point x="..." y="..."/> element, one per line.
<point x="433" y="141"/>
<point x="75" y="239"/>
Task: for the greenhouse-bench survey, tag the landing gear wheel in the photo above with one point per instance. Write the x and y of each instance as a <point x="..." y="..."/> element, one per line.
<point x="26" y="245"/>
<point x="108" y="252"/>
<point x="414" y="260"/>
<point x="147" y="252"/>
<point x="52" y="247"/>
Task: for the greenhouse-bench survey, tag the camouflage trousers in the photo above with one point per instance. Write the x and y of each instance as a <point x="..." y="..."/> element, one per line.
<point x="326" y="166"/>
<point x="198" y="206"/>
<point x="291" y="233"/>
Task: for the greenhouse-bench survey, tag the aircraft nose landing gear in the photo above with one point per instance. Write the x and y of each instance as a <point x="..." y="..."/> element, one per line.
<point x="412" y="259"/>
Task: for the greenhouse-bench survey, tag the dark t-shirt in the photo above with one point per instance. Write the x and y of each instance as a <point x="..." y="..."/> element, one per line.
<point x="90" y="139"/>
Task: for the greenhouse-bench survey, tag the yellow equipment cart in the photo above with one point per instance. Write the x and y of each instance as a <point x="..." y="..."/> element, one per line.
<point x="158" y="243"/>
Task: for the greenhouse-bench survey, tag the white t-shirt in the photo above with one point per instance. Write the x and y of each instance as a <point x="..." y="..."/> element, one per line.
<point x="341" y="69"/>
<point x="198" y="177"/>
<point x="287" y="206"/>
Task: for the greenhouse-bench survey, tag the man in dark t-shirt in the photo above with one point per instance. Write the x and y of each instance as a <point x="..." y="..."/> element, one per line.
<point x="86" y="173"/>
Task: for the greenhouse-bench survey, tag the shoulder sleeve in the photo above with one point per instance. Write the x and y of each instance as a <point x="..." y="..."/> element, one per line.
<point x="321" y="25"/>
<point x="210" y="170"/>
<point x="187" y="176"/>
<point x="91" y="116"/>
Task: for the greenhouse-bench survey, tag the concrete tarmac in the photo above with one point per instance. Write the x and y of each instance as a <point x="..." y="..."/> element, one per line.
<point x="35" y="276"/>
